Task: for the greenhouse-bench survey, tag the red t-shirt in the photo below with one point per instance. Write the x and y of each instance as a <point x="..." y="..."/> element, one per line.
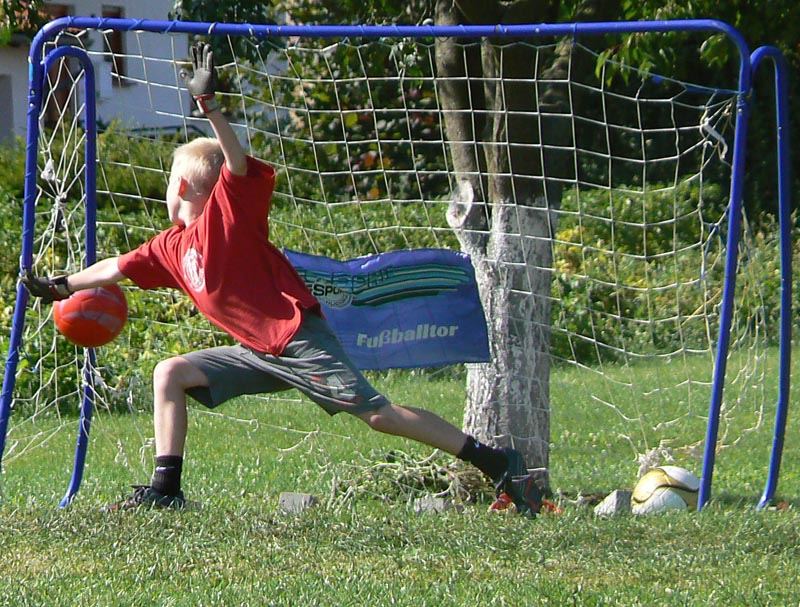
<point x="226" y="264"/>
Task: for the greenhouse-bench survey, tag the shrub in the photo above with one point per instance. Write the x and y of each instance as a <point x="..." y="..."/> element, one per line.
<point x="645" y="266"/>
<point x="12" y="167"/>
<point x="605" y="273"/>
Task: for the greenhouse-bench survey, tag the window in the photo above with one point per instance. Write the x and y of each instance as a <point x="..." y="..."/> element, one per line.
<point x="114" y="47"/>
<point x="6" y="101"/>
<point x="54" y="11"/>
<point x="59" y="79"/>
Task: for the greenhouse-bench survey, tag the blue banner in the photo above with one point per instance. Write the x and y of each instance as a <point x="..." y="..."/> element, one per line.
<point x="415" y="308"/>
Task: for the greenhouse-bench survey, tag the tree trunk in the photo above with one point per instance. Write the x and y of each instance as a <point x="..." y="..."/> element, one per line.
<point x="508" y="399"/>
<point x="509" y="145"/>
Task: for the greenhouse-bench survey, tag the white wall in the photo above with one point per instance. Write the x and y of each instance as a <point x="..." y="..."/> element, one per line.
<point x="148" y="57"/>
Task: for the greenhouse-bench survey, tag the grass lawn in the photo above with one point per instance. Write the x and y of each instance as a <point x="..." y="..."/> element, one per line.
<point x="368" y="547"/>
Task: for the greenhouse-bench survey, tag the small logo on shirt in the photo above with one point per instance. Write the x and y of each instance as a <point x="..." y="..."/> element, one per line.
<point x="193" y="270"/>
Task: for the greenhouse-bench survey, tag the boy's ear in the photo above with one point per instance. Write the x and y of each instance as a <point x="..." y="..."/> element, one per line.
<point x="183" y="185"/>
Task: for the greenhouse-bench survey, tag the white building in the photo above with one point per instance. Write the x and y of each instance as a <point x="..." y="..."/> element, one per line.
<point x="136" y="83"/>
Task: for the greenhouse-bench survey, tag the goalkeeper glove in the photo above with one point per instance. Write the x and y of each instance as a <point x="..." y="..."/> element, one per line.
<point x="47" y="289"/>
<point x="202" y="83"/>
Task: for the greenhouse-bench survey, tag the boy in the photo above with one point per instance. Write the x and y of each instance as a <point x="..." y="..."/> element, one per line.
<point x="218" y="252"/>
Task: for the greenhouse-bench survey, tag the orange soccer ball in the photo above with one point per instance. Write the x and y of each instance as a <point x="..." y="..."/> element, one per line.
<point x="92" y="317"/>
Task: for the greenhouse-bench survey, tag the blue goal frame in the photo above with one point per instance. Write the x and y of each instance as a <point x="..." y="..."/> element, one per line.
<point x="748" y="65"/>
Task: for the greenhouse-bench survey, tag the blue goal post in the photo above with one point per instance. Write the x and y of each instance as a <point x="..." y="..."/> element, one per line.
<point x="42" y="58"/>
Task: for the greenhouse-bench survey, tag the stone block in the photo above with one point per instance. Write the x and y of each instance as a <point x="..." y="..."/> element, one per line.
<point x="295" y="503"/>
<point x="435" y="505"/>
<point x="617" y="502"/>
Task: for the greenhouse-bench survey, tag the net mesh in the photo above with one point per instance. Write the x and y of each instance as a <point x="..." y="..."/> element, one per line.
<point x="356" y="132"/>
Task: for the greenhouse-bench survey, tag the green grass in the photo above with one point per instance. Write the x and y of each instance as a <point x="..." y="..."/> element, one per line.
<point x="237" y="550"/>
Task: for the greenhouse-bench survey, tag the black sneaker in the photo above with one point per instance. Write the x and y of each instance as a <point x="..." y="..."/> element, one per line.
<point x="517" y="488"/>
<point x="144" y="496"/>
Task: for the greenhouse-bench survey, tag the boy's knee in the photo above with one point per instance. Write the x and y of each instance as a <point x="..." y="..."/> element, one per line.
<point x="177" y="371"/>
<point x="166" y="371"/>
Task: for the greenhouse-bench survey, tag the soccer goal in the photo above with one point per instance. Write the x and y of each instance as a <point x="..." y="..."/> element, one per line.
<point x="601" y="207"/>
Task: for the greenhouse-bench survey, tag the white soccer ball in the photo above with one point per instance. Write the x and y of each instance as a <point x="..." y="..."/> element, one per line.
<point x="665" y="488"/>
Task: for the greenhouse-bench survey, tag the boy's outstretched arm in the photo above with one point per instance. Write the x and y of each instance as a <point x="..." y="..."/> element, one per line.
<point x="104" y="272"/>
<point x="235" y="158"/>
<point x="202" y="84"/>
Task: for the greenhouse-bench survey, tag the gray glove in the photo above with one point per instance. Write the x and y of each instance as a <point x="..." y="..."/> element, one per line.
<point x="202" y="83"/>
<point x="47" y="289"/>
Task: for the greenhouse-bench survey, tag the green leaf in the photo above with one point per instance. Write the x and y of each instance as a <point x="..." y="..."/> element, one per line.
<point x="350" y="120"/>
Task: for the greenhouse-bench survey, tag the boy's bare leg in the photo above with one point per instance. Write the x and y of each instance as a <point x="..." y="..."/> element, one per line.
<point x="417" y="424"/>
<point x="171" y="379"/>
<point x="506" y="467"/>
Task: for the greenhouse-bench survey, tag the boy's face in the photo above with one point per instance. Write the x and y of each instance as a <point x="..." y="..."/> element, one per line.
<point x="185" y="203"/>
<point x="175" y="192"/>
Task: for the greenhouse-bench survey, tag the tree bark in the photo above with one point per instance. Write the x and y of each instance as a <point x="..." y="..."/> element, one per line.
<point x="510" y="145"/>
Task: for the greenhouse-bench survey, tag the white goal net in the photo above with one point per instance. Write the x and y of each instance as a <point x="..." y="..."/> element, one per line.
<point x="356" y="130"/>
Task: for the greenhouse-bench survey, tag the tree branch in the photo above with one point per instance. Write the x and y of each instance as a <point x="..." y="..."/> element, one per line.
<point x="462" y="101"/>
<point x="477" y="11"/>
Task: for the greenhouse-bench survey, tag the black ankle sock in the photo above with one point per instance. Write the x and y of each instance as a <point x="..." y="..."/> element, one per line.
<point x="492" y="462"/>
<point x="167" y="475"/>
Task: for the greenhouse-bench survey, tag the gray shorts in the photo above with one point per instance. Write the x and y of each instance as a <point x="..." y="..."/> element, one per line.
<point x="314" y="362"/>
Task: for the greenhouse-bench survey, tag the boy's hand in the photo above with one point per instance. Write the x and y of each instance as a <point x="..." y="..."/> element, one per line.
<point x="202" y="83"/>
<point x="48" y="289"/>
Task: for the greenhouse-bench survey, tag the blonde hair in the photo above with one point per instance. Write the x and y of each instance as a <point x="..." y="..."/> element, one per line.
<point x="199" y="163"/>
